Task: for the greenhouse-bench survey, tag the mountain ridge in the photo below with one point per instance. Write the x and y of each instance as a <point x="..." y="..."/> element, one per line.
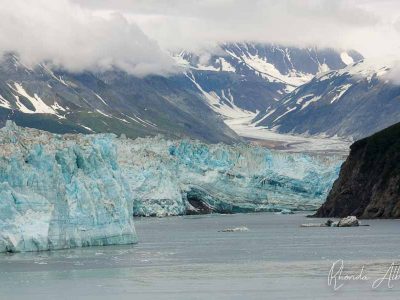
<point x="192" y="104"/>
<point x="354" y="102"/>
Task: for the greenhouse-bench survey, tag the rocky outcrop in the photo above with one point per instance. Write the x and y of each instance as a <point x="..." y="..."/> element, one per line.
<point x="350" y="221"/>
<point x="369" y="182"/>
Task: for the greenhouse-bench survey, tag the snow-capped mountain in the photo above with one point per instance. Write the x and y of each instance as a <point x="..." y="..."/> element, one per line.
<point x="112" y="101"/>
<point x="240" y="81"/>
<point x="352" y="102"/>
<point x="242" y="78"/>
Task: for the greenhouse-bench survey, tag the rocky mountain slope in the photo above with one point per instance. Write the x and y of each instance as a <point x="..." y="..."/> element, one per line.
<point x="111" y="101"/>
<point x="352" y="102"/>
<point x="369" y="182"/>
<point x="244" y="78"/>
<point x="240" y="81"/>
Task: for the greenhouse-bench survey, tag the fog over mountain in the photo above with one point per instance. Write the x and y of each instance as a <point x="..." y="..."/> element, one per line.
<point x="199" y="69"/>
<point x="136" y="36"/>
<point x="68" y="36"/>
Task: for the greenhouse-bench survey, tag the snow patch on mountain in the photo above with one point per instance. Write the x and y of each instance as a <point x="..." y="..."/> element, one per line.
<point x="308" y="102"/>
<point x="289" y="110"/>
<point x="4" y="103"/>
<point x="39" y="106"/>
<point x="301" y="99"/>
<point x="217" y="104"/>
<point x="270" y="72"/>
<point x="101" y="99"/>
<point x="226" y="66"/>
<point x="346" y="58"/>
<point x="340" y="92"/>
<point x="268" y="112"/>
<point x="365" y="68"/>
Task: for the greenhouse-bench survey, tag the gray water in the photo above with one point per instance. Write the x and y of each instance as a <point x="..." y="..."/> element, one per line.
<point x="188" y="258"/>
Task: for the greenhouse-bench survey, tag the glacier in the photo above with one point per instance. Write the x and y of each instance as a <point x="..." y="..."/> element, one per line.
<point x="185" y="177"/>
<point x="73" y="190"/>
<point x="61" y="191"/>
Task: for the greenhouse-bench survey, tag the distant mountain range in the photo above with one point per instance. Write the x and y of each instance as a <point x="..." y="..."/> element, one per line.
<point x="269" y="83"/>
<point x="246" y="78"/>
<point x="112" y="101"/>
<point x="352" y="102"/>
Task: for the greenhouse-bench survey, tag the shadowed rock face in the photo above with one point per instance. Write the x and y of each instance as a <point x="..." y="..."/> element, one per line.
<point x="369" y="182"/>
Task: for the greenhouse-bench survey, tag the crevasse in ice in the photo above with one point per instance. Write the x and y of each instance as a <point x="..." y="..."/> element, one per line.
<point x="61" y="191"/>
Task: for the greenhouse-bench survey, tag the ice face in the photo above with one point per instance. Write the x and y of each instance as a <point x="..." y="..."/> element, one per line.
<point x="61" y="191"/>
<point x="177" y="177"/>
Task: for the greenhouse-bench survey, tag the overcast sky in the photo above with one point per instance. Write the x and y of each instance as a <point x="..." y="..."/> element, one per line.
<point x="135" y="35"/>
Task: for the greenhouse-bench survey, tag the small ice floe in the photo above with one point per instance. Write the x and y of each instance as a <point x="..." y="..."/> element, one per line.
<point x="235" y="229"/>
<point x="284" y="212"/>
<point x="350" y="221"/>
<point x="313" y="225"/>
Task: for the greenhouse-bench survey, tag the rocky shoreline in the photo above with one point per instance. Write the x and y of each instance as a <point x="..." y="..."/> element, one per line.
<point x="369" y="181"/>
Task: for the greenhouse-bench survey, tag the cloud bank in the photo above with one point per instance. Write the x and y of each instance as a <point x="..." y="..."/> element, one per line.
<point x="136" y="35"/>
<point x="368" y="26"/>
<point x="66" y="35"/>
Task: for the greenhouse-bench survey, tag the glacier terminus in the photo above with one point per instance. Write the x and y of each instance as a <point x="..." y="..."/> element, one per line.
<point x="74" y="190"/>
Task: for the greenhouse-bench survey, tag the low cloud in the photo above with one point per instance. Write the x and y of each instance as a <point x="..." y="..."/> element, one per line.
<point x="393" y="75"/>
<point x="74" y="38"/>
<point x="136" y="35"/>
<point x="365" y="25"/>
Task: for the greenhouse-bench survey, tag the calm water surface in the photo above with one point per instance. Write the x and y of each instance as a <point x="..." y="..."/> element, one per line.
<point x="188" y="258"/>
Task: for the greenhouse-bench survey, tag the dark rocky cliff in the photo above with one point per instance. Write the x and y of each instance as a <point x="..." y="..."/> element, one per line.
<point x="369" y="182"/>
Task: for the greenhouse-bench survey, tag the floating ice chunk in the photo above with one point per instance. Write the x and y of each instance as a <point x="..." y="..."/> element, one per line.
<point x="235" y="229"/>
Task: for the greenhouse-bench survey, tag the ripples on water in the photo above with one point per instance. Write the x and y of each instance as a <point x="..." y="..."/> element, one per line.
<point x="189" y="258"/>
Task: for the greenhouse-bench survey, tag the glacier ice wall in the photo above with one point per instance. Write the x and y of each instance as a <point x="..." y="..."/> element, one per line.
<point x="60" y="192"/>
<point x="178" y="177"/>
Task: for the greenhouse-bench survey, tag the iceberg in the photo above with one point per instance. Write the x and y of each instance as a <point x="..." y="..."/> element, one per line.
<point x="73" y="190"/>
